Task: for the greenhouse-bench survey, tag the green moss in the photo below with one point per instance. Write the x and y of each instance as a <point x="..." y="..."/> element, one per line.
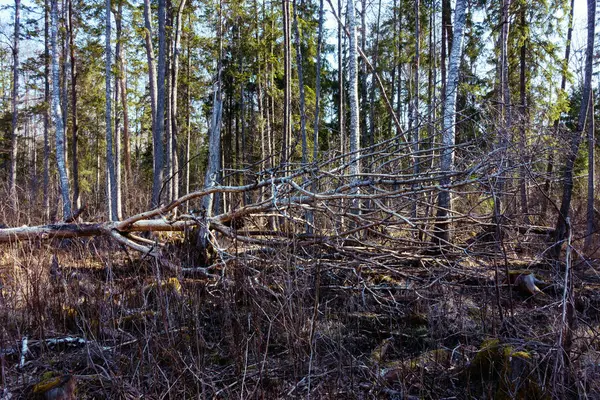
<point x="510" y="368"/>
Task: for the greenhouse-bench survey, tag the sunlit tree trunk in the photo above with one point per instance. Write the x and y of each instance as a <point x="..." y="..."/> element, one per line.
<point x="121" y="89"/>
<point x="213" y="170"/>
<point x="524" y="123"/>
<point x="591" y="160"/>
<point x="300" y="87"/>
<point x="287" y="71"/>
<point x="57" y="115"/>
<point x="74" y="123"/>
<point x="174" y="94"/>
<point x="354" y="133"/>
<point x="12" y="180"/>
<point x="111" y="178"/>
<point x="563" y="84"/>
<point x="46" y="172"/>
<point x="442" y="231"/>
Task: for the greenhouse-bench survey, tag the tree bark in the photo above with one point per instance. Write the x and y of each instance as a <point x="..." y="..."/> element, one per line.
<point x="74" y="123"/>
<point x="442" y="229"/>
<point x="524" y="122"/>
<point x="287" y="71"/>
<point x="12" y="178"/>
<point x="300" y="86"/>
<point x="46" y="173"/>
<point x="591" y="160"/>
<point x="354" y="132"/>
<point x="57" y="115"/>
<point x="174" y="94"/>
<point x="561" y="223"/>
<point x="563" y="84"/>
<point x="213" y="170"/>
<point x="111" y="178"/>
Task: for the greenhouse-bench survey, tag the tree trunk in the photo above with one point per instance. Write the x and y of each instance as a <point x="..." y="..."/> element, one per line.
<point x="505" y="112"/>
<point x="57" y="116"/>
<point x="213" y="170"/>
<point x="362" y="76"/>
<point x="287" y="71"/>
<point x="354" y="133"/>
<point x="309" y="215"/>
<point x="442" y="232"/>
<point x="157" y="143"/>
<point x="111" y="178"/>
<point x="301" y="87"/>
<point x="563" y="85"/>
<point x="174" y="83"/>
<point x="524" y="124"/>
<point x="188" y="140"/>
<point x="591" y="160"/>
<point x="416" y="158"/>
<point x="561" y="223"/>
<point x="46" y="200"/>
<point x="74" y="127"/>
<point x="12" y="179"/>
<point x="121" y="89"/>
<point x="340" y="60"/>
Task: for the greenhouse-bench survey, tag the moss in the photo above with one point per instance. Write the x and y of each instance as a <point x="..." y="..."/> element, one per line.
<point x="510" y="368"/>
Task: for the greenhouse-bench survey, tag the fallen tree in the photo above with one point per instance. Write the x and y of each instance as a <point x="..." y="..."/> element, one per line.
<point x="327" y="190"/>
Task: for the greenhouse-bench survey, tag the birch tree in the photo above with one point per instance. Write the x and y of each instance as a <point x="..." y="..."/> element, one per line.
<point x="354" y="133"/>
<point x="442" y="232"/>
<point x="12" y="181"/>
<point x="57" y="115"/>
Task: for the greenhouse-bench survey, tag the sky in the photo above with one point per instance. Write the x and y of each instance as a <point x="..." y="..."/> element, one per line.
<point x="578" y="44"/>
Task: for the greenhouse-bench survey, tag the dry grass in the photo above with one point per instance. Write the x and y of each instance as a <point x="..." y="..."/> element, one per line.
<point x="320" y="321"/>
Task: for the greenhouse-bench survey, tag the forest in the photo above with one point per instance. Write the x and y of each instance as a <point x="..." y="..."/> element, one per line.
<point x="327" y="199"/>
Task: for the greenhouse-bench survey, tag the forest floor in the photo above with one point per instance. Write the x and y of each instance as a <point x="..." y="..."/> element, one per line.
<point x="330" y="320"/>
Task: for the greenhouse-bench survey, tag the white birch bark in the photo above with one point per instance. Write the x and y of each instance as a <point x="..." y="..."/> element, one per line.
<point x="354" y="134"/>
<point x="449" y="121"/>
<point x="111" y="179"/>
<point x="57" y="115"/>
<point x="15" y="111"/>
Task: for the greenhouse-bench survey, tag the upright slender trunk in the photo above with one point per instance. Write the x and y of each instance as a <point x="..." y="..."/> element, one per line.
<point x="524" y="123"/>
<point x="111" y="179"/>
<point x="57" y="115"/>
<point x="505" y="112"/>
<point x="371" y="136"/>
<point x="46" y="173"/>
<point x="157" y="144"/>
<point x="354" y="133"/>
<point x="442" y="232"/>
<point x="168" y="103"/>
<point x="287" y="71"/>
<point x="160" y="105"/>
<point x="416" y="158"/>
<point x="188" y="140"/>
<point x="591" y="160"/>
<point x="74" y="124"/>
<point x="213" y="170"/>
<point x="362" y="77"/>
<point x="563" y="85"/>
<point x="309" y="215"/>
<point x="341" y="111"/>
<point x="174" y="94"/>
<point x="561" y="223"/>
<point x="121" y="85"/>
<point x="446" y="45"/>
<point x="318" y="86"/>
<point x="301" y="87"/>
<point x="12" y="179"/>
